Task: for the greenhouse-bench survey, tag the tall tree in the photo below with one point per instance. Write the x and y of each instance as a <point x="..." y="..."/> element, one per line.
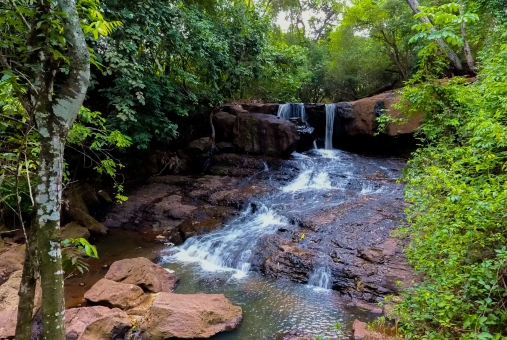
<point x="40" y="39"/>
<point x="451" y="55"/>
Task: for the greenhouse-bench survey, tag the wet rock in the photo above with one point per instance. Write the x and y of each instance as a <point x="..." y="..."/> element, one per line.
<point x="224" y="125"/>
<point x="225" y="147"/>
<point x="171" y="206"/>
<point x="74" y="230"/>
<point x="98" y="322"/>
<point x="198" y="146"/>
<point x="115" y="294"/>
<point x="291" y="262"/>
<point x="84" y="219"/>
<point x="361" y="332"/>
<point x="257" y="133"/>
<point x="105" y="197"/>
<point x="140" y="271"/>
<point x="373" y="308"/>
<point x="190" y="316"/>
<point x="11" y="260"/>
<point x="294" y="335"/>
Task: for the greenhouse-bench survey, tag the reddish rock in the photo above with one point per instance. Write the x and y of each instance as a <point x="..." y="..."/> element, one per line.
<point x="261" y="134"/>
<point x="358" y="117"/>
<point x="192" y="316"/>
<point x="234" y="109"/>
<point x="361" y="332"/>
<point x="11" y="261"/>
<point x="142" y="272"/>
<point x="115" y="294"/>
<point x="98" y="322"/>
<point x="9" y="300"/>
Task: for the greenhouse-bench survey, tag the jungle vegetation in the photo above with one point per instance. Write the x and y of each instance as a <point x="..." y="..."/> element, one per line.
<point x="106" y="78"/>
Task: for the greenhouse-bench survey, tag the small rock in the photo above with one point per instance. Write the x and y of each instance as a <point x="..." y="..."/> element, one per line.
<point x="81" y="284"/>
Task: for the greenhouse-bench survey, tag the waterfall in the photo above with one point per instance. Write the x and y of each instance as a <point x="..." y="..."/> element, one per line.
<point x="321" y="277"/>
<point x="330" y="113"/>
<point x="231" y="247"/>
<point x="292" y="110"/>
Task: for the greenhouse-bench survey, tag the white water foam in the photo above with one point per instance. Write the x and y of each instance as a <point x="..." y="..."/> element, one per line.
<point x="305" y="181"/>
<point x="321" y="278"/>
<point x="230" y="249"/>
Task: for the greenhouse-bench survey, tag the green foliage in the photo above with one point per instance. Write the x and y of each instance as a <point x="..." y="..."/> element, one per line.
<point x="456" y="186"/>
<point x="445" y="23"/>
<point x="74" y="250"/>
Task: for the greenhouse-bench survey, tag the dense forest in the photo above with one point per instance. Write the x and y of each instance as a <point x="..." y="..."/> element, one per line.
<point x="114" y="80"/>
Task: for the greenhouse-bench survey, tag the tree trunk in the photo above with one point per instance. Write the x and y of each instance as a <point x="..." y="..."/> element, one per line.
<point x="466" y="46"/>
<point x="451" y="55"/>
<point x="27" y="289"/>
<point x="48" y="225"/>
<point x="54" y="115"/>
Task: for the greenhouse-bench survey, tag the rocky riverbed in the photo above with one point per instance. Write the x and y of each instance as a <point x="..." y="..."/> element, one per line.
<point x="299" y="244"/>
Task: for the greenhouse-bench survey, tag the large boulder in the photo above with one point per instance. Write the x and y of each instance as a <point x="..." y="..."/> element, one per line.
<point x="142" y="272"/>
<point x="115" y="294"/>
<point x="192" y="316"/>
<point x="359" y="117"/>
<point x="224" y="125"/>
<point x="268" y="108"/>
<point x="98" y="322"/>
<point x="261" y="134"/>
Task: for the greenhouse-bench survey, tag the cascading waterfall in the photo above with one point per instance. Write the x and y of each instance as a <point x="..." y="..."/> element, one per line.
<point x="231" y="247"/>
<point x="321" y="278"/>
<point x="292" y="110"/>
<point x="330" y="113"/>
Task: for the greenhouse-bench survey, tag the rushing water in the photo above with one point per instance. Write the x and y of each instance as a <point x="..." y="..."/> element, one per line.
<point x="330" y="113"/>
<point x="292" y="110"/>
<point x="222" y="261"/>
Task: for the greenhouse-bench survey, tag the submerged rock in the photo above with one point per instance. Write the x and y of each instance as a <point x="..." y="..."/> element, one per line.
<point x="115" y="294"/>
<point x="190" y="316"/>
<point x="98" y="322"/>
<point x="140" y="271"/>
<point x="361" y="332"/>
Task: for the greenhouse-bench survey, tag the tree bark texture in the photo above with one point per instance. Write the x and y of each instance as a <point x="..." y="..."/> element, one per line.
<point x="451" y="55"/>
<point x="54" y="115"/>
<point x="27" y="289"/>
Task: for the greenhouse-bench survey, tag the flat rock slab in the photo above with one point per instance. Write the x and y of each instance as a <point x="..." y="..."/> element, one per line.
<point x="142" y="272"/>
<point x="361" y="332"/>
<point x="115" y="294"/>
<point x="98" y="322"/>
<point x="190" y="316"/>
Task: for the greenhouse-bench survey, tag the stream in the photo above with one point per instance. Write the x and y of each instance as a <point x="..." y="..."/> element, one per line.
<point x="230" y="260"/>
<point x="222" y="261"/>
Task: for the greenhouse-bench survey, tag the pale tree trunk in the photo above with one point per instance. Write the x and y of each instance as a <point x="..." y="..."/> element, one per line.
<point x="451" y="55"/>
<point x="54" y="117"/>
<point x="466" y="46"/>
